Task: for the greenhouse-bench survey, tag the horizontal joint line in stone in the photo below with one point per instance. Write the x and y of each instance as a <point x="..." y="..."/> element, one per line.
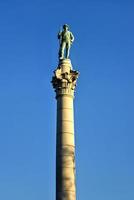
<point x="72" y="154"/>
<point x="67" y="168"/>
<point x="66" y="120"/>
<point x="66" y="191"/>
<point x="68" y="95"/>
<point x="65" y="154"/>
<point x="65" y="108"/>
<point x="62" y="132"/>
<point x="67" y="145"/>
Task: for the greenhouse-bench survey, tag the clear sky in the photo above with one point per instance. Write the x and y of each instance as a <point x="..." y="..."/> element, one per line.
<point x="103" y="52"/>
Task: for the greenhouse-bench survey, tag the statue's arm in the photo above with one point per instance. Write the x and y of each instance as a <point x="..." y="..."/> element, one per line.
<point x="72" y="37"/>
<point x="59" y="35"/>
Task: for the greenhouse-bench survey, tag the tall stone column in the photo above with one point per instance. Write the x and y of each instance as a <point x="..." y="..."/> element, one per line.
<point x="64" y="82"/>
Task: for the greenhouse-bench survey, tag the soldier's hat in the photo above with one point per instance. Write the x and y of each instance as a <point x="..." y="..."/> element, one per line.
<point x="66" y="25"/>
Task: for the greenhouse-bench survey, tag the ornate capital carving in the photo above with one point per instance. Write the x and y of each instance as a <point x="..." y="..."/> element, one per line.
<point x="64" y="79"/>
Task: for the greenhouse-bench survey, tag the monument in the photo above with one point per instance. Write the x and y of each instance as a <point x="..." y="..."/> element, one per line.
<point x="64" y="83"/>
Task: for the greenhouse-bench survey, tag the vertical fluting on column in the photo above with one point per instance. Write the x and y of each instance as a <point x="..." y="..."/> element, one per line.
<point x="64" y="81"/>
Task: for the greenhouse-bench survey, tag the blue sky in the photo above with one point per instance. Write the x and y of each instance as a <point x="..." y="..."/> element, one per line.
<point x="104" y="105"/>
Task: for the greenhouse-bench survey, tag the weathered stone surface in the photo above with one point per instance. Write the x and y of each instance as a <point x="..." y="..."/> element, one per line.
<point x="64" y="83"/>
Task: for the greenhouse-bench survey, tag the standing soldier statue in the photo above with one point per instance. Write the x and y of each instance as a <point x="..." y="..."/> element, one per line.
<point x="66" y="38"/>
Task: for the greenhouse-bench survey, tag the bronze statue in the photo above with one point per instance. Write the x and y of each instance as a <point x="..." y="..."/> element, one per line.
<point x="66" y="38"/>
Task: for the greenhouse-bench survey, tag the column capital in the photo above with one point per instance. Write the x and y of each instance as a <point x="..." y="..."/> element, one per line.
<point x="64" y="79"/>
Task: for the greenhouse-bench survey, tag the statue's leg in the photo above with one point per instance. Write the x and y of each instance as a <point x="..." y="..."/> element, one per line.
<point x="63" y="45"/>
<point x="67" y="50"/>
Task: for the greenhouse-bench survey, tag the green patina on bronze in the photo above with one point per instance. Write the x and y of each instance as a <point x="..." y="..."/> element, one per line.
<point x="66" y="38"/>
